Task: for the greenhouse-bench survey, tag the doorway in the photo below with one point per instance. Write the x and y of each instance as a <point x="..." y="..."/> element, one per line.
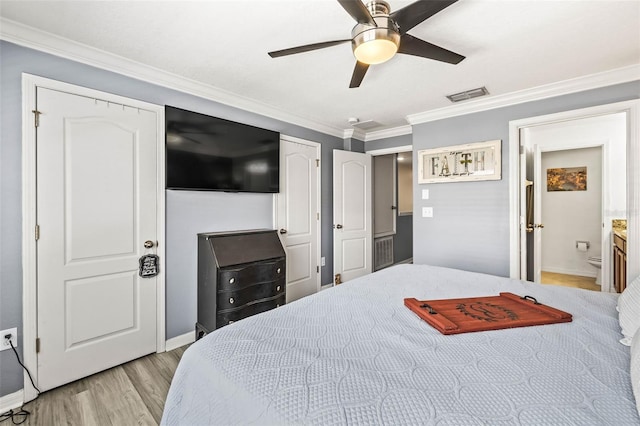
<point x="393" y="209"/>
<point x="521" y="171"/>
<point x="593" y="148"/>
<point x="571" y="210"/>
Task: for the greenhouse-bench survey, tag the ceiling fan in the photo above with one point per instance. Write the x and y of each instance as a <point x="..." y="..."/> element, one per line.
<point x="379" y="35"/>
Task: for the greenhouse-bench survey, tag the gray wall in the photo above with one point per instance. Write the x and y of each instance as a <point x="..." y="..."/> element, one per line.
<point x="470" y="225"/>
<point x="352" y="144"/>
<point x="187" y="212"/>
<point x="403" y="239"/>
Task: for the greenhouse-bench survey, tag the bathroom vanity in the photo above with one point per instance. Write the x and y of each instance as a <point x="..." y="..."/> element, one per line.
<point x="619" y="260"/>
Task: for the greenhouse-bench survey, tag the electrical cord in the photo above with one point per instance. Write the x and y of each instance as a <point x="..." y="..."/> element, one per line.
<point x="19" y="416"/>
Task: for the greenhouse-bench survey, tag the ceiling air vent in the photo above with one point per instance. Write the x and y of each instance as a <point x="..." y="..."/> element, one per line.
<point x="366" y="125"/>
<point x="468" y="94"/>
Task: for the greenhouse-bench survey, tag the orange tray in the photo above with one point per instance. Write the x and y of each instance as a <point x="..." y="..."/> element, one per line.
<point x="454" y="316"/>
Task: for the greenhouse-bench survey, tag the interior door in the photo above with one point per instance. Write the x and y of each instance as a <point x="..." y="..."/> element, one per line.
<point x="299" y="216"/>
<point x="526" y="206"/>
<point x="96" y="208"/>
<point x="538" y="226"/>
<point x="352" y="215"/>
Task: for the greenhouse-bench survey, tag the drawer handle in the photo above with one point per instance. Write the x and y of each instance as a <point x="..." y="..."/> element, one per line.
<point x="278" y="271"/>
<point x="232" y="280"/>
<point x="230" y="322"/>
<point x="231" y="300"/>
<point x="278" y="288"/>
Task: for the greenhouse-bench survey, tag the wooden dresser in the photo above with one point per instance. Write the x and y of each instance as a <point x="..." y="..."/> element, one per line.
<point x="239" y="274"/>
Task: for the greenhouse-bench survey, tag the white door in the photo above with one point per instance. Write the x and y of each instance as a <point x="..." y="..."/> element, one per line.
<point x="352" y="217"/>
<point x="298" y="215"/>
<point x="96" y="207"/>
<point x="526" y="202"/>
<point x="538" y="226"/>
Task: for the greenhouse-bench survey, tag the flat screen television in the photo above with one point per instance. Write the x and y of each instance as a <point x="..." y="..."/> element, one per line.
<point x="206" y="153"/>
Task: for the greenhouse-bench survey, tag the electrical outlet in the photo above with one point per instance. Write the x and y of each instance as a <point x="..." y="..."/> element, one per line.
<point x="322" y="261"/>
<point x="4" y="343"/>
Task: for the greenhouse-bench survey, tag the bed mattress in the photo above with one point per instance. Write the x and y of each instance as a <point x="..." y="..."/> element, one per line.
<point x="354" y="354"/>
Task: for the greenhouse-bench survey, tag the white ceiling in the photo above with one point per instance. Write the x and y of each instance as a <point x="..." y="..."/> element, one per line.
<point x="510" y="46"/>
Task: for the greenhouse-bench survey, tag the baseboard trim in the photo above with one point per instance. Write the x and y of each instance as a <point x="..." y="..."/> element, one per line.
<point x="178" y="341"/>
<point x="11" y="401"/>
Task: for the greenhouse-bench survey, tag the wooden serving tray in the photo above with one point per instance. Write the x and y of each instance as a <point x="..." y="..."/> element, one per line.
<point x="508" y="310"/>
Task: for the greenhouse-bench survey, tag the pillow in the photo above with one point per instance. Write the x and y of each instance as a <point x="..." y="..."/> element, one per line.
<point x="635" y="367"/>
<point x="629" y="311"/>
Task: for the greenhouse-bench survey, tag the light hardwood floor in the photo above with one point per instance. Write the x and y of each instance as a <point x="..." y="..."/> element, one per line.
<point x="129" y="394"/>
<point x="577" y="281"/>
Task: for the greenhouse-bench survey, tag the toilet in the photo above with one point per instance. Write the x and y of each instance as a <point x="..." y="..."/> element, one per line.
<point x="597" y="262"/>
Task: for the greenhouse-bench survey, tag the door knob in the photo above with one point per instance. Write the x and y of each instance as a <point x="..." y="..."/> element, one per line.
<point x="283" y="231"/>
<point x="339" y="226"/>
<point x="538" y="225"/>
<point x="529" y="228"/>
<point x="393" y="207"/>
<point x="148" y="244"/>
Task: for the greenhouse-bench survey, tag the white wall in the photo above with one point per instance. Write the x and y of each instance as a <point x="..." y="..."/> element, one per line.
<point x="570" y="216"/>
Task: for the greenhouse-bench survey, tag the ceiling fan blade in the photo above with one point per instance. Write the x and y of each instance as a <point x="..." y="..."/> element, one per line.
<point x="306" y="48"/>
<point x="358" y="74"/>
<point x="413" y="14"/>
<point x="410" y="45"/>
<point x="358" y="11"/>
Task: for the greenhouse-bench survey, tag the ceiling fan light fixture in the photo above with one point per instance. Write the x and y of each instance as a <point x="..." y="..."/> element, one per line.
<point x="375" y="51"/>
<point x="375" y="45"/>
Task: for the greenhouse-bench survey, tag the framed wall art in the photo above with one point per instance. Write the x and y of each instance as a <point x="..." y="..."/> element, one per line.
<point x="567" y="179"/>
<point x="460" y="163"/>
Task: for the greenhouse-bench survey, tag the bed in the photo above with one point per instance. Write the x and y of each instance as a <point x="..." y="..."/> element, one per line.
<point x="354" y="354"/>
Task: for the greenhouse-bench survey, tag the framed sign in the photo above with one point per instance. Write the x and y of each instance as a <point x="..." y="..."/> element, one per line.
<point x="148" y="266"/>
<point x="460" y="163"/>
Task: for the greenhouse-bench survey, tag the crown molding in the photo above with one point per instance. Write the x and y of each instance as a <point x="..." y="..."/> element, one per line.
<point x="378" y="134"/>
<point x="579" y="84"/>
<point x="33" y="38"/>
<point x="392" y="150"/>
<point x="389" y="133"/>
<point x="30" y="37"/>
<point x="354" y="133"/>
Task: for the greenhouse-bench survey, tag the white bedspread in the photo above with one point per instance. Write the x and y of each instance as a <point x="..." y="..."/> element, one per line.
<point x="354" y="354"/>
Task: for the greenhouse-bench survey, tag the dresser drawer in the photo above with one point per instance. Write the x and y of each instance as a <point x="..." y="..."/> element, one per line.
<point x="238" y="298"/>
<point x="246" y="275"/>
<point x="229" y="316"/>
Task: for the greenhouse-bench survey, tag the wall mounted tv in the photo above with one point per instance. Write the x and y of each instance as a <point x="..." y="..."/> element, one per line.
<point x="211" y="154"/>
